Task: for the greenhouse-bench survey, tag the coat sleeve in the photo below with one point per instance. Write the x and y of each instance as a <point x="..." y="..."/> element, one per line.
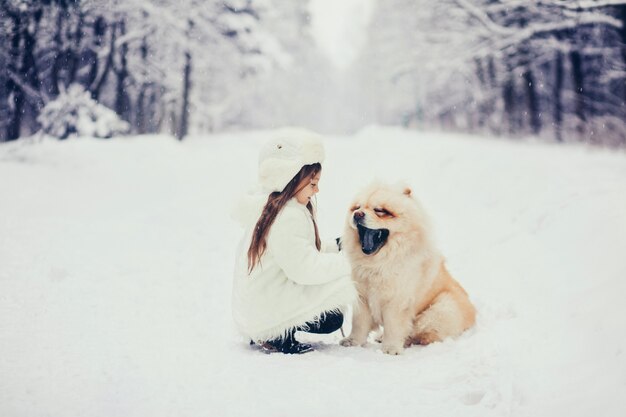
<point x="293" y="247"/>
<point x="330" y="246"/>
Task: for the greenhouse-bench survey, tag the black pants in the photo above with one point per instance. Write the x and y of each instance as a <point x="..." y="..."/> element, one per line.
<point x="288" y="344"/>
<point x="327" y="324"/>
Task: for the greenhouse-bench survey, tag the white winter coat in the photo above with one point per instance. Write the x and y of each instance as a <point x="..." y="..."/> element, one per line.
<point x="294" y="283"/>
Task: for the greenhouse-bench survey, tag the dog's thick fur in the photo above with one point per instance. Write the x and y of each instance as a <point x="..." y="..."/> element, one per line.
<point x="403" y="285"/>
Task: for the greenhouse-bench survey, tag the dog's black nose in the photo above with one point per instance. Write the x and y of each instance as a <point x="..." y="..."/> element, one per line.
<point x="358" y="216"/>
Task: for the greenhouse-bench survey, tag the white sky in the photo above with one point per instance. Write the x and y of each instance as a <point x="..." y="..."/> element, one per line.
<point x="338" y="26"/>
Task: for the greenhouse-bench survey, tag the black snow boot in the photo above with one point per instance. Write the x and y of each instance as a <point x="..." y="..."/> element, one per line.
<point x="288" y="345"/>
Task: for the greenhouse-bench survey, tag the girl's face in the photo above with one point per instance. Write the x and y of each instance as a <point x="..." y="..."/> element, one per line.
<point x="308" y="188"/>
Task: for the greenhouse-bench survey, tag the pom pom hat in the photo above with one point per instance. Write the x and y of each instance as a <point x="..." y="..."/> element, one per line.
<point x="285" y="154"/>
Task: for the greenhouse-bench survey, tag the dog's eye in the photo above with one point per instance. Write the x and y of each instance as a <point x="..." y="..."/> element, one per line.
<point x="355" y="207"/>
<point x="381" y="212"/>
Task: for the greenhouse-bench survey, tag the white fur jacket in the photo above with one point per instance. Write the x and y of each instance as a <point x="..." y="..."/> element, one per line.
<point x="294" y="283"/>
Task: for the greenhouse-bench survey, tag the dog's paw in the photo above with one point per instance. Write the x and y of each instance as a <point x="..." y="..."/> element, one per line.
<point x="348" y="341"/>
<point x="392" y="349"/>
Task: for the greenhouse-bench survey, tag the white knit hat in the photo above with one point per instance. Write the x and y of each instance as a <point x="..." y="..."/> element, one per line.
<point x="285" y="154"/>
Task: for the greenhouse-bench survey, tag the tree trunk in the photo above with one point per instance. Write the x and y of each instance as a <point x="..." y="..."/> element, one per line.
<point x="58" y="53"/>
<point x="481" y="108"/>
<point x="622" y="16"/>
<point x="556" y="95"/>
<point x="122" y="101"/>
<point x="73" y="51"/>
<point x="155" y="110"/>
<point x="184" y="117"/>
<point x="492" y="100"/>
<point x="29" y="70"/>
<point x="14" y="91"/>
<point x="140" y="118"/>
<point x="508" y="95"/>
<point x="173" y="120"/>
<point x="91" y="57"/>
<point x="579" y="98"/>
<point x="140" y="105"/>
<point x="95" y="91"/>
<point x="533" y="102"/>
<point x="15" y="123"/>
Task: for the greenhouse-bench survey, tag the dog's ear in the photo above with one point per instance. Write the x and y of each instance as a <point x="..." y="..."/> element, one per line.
<point x="407" y="191"/>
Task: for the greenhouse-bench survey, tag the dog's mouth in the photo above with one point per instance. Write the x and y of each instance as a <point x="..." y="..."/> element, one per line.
<point x="372" y="239"/>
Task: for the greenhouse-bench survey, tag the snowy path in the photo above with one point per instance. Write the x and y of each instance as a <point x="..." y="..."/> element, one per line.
<point x="115" y="265"/>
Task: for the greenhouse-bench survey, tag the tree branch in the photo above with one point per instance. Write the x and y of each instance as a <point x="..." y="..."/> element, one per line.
<point x="585" y="4"/>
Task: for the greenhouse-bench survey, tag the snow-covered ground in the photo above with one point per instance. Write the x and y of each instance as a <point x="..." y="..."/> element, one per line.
<point x="115" y="274"/>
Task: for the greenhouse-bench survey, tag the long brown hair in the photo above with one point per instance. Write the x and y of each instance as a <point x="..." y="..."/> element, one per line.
<point x="275" y="203"/>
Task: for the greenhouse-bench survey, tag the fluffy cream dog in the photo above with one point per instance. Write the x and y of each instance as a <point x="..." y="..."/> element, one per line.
<point x="401" y="278"/>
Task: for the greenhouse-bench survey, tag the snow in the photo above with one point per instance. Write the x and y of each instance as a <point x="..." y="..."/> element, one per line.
<point x="116" y="261"/>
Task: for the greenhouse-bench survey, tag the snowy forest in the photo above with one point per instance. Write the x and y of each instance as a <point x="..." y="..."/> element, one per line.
<point x="554" y="69"/>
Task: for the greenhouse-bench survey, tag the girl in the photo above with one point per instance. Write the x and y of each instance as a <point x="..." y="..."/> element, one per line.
<point x="286" y="279"/>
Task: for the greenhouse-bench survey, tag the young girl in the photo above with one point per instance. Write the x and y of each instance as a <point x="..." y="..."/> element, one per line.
<point x="286" y="279"/>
